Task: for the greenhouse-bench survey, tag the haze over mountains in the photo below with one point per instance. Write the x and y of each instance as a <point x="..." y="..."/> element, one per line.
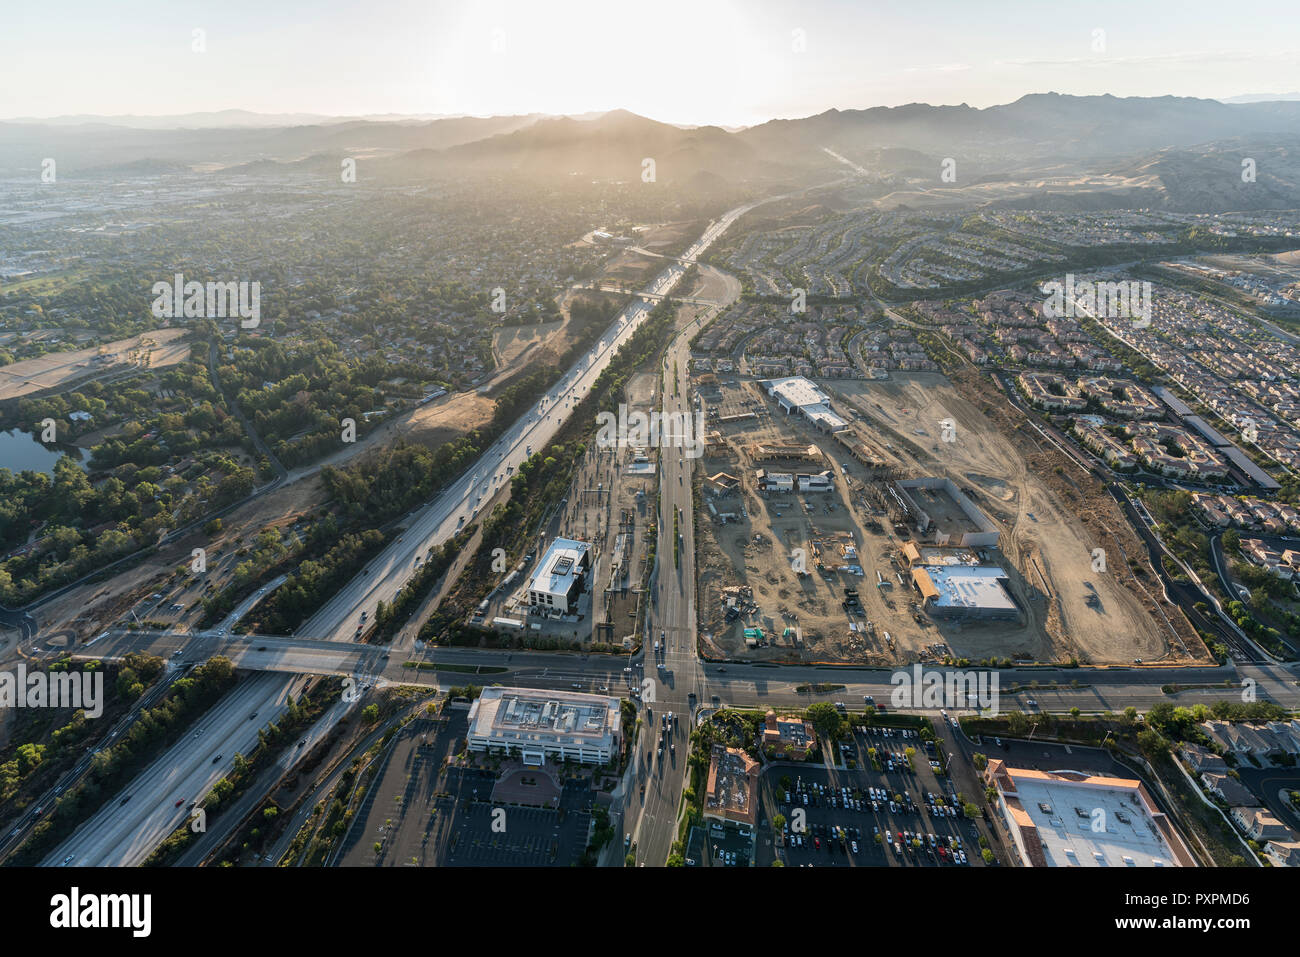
<point x="1178" y="152"/>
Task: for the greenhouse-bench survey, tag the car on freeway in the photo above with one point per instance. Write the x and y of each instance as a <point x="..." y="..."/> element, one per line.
<point x="217" y="758"/>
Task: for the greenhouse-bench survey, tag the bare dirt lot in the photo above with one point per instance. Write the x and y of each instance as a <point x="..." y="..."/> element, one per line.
<point x="157" y="350"/>
<point x="89" y="609"/>
<point x="1050" y="523"/>
<point x="511" y="343"/>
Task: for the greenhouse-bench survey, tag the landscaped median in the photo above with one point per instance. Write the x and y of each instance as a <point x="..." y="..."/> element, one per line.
<point x="458" y="669"/>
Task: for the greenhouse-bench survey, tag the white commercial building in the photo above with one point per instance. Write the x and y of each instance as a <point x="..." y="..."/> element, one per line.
<point x="561" y="577"/>
<point x="775" y="481"/>
<point x="964" y="591"/>
<point x="797" y="394"/>
<point x="537" y="723"/>
<point x="1071" y="819"/>
<point x="816" y="482"/>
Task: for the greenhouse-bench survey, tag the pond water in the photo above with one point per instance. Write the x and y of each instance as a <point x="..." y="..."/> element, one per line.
<point x="19" y="452"/>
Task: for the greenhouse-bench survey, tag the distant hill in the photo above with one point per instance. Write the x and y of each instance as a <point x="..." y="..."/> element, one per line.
<point x="1209" y="178"/>
<point x="1177" y="152"/>
<point x="101" y="146"/>
<point x="1261" y="97"/>
<point x="1035" y="127"/>
<point x="612" y="146"/>
<point x="217" y="119"/>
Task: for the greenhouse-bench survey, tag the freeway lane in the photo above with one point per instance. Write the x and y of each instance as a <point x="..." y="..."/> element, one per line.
<point x="132" y="822"/>
<point x="232" y="816"/>
<point x="28" y="820"/>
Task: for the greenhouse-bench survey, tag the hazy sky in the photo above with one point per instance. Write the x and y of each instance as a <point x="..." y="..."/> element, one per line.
<point x="685" y="61"/>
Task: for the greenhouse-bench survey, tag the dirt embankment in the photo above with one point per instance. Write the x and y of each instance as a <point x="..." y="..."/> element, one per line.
<point x="1089" y="514"/>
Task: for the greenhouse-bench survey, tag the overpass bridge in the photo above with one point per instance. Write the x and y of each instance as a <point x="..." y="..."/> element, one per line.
<point x="737" y="683"/>
<point x="648" y="296"/>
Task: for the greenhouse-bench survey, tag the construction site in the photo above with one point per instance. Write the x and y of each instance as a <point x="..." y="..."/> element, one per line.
<point x="915" y="533"/>
<point x="607" y="511"/>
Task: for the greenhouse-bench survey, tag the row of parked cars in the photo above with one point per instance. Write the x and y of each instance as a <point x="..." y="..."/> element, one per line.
<point x="947" y="809"/>
<point x="948" y="849"/>
<point x="817" y="833"/>
<point x="893" y="757"/>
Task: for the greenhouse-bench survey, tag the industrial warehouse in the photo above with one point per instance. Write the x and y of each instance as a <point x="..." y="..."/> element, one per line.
<point x="964" y="591"/>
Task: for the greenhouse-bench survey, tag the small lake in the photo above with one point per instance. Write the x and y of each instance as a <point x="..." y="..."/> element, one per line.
<point x="20" y="452"/>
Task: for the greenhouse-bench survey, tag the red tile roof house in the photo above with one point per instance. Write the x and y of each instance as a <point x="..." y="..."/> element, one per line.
<point x="787" y="736"/>
<point x="732" y="790"/>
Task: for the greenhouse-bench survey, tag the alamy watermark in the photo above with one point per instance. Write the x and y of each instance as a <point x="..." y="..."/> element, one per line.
<point x="179" y="299"/>
<point x="75" y="910"/>
<point x="62" y="689"/>
<point x="661" y="430"/>
<point x="1098" y="300"/>
<point x="935" y="689"/>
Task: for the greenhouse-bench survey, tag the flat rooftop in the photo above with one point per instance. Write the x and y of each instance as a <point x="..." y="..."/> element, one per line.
<point x="797" y="391"/>
<point x="559" y="566"/>
<point x="1063" y="811"/>
<point x="970" y="586"/>
<point x="528" y="712"/>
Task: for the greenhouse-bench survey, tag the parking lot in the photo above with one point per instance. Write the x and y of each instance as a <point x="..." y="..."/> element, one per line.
<point x="422" y="814"/>
<point x="867" y="818"/>
<point x="474" y="833"/>
<point x="718" y="846"/>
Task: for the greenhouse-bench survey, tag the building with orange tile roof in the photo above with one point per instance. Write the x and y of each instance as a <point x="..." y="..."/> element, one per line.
<point x="1072" y="819"/>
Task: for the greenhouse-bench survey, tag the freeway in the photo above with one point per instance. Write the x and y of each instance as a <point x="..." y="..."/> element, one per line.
<point x="132" y="822"/>
<point x="234" y="815"/>
<point x="28" y="820"/>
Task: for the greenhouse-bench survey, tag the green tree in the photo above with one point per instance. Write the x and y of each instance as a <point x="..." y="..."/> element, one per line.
<point x="826" y="721"/>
